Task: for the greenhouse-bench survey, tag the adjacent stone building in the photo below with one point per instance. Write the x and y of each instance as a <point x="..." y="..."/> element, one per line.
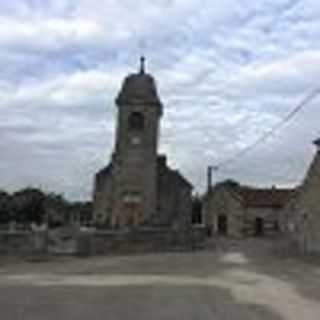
<point x="235" y="210"/>
<point x="263" y="209"/>
<point x="138" y="188"/>
<point x="302" y="215"/>
<point x="223" y="210"/>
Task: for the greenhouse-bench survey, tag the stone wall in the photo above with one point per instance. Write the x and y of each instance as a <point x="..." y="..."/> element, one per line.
<point x="97" y="242"/>
<point x="102" y="195"/>
<point x="24" y="242"/>
<point x="270" y="216"/>
<point x="174" y="198"/>
<point x="15" y="242"/>
<point x="222" y="201"/>
<point x="302" y="224"/>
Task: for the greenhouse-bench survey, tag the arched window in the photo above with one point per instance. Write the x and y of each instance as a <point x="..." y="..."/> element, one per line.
<point x="136" y="121"/>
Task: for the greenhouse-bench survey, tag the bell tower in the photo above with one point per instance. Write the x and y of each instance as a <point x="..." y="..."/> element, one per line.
<point x="135" y="156"/>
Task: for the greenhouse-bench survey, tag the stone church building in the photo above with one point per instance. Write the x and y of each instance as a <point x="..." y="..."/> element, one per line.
<point x="138" y="188"/>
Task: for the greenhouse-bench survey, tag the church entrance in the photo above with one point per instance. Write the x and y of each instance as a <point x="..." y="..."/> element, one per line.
<point x="222" y="224"/>
<point x="132" y="214"/>
<point x="132" y="209"/>
<point x="259" y="227"/>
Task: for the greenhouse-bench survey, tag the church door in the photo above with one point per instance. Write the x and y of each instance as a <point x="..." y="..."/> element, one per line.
<point x="132" y="209"/>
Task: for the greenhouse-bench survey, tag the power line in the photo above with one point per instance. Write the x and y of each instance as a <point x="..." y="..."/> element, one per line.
<point x="270" y="132"/>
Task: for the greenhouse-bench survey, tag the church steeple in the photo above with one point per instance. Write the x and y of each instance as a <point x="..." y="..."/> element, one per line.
<point x="139" y="111"/>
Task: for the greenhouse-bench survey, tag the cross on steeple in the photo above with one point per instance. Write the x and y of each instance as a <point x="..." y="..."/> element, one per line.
<point x="142" y="64"/>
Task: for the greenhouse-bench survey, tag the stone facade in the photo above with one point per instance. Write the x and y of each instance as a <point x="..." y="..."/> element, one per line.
<point x="263" y="209"/>
<point x="234" y="210"/>
<point x="223" y="211"/>
<point x="138" y="188"/>
<point x="302" y="218"/>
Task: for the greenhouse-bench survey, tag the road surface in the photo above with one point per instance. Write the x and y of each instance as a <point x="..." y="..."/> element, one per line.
<point x="246" y="281"/>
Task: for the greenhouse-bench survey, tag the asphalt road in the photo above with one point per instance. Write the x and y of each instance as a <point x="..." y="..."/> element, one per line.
<point x="246" y="282"/>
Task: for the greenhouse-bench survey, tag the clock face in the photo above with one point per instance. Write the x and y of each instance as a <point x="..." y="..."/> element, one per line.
<point x="135" y="141"/>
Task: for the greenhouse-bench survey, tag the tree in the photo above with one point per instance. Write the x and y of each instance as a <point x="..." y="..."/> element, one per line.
<point x="28" y="205"/>
<point x="57" y="209"/>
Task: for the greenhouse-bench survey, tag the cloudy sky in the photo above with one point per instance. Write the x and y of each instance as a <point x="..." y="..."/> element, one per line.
<point x="227" y="72"/>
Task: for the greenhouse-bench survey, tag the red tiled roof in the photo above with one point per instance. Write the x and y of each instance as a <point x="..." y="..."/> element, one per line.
<point x="275" y="198"/>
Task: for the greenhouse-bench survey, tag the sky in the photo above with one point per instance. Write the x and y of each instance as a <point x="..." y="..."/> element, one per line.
<point x="227" y="71"/>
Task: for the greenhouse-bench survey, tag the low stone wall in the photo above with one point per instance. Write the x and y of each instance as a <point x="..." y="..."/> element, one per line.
<point x="23" y="242"/>
<point x="98" y="242"/>
<point x="15" y="242"/>
<point x="102" y="242"/>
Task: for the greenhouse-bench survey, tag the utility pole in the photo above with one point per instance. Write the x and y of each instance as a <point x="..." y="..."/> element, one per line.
<point x="209" y="178"/>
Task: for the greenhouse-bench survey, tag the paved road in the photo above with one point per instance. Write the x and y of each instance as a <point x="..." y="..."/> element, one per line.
<point x="246" y="282"/>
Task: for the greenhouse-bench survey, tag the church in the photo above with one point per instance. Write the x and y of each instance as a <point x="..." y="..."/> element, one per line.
<point x="138" y="188"/>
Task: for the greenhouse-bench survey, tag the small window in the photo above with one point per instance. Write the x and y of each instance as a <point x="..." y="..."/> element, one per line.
<point x="136" y="121"/>
<point x="132" y="197"/>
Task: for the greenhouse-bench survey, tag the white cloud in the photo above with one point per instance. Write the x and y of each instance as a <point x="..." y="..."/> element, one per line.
<point x="48" y="34"/>
<point x="292" y="76"/>
<point x="227" y="72"/>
